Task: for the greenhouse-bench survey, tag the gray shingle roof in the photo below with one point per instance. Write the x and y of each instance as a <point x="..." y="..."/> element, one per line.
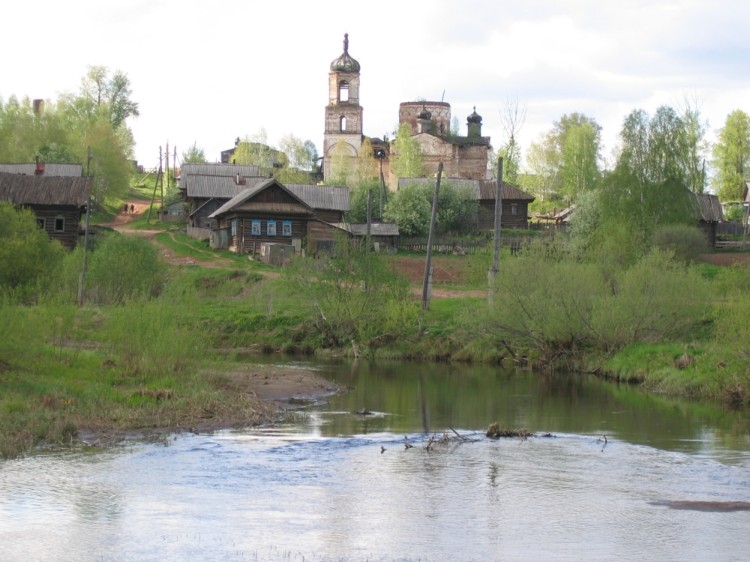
<point x="709" y="207"/>
<point x="483" y="189"/>
<point x="320" y="197"/>
<point x="73" y="170"/>
<point x="45" y="190"/>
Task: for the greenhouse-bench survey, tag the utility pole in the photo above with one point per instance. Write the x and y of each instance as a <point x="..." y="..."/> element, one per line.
<point x="158" y="182"/>
<point x="82" y="276"/>
<point x="493" y="272"/>
<point x="427" y="284"/>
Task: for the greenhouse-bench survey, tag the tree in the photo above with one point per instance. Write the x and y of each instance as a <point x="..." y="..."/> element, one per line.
<point x="256" y="150"/>
<point x="406" y="155"/>
<point x="411" y="208"/>
<point x="302" y="155"/>
<point x="108" y="95"/>
<point x="194" y="155"/>
<point x="27" y="257"/>
<point x="367" y="165"/>
<point x="511" y="118"/>
<point x="647" y="188"/>
<point x="693" y="147"/>
<point x="577" y="140"/>
<point x="732" y="156"/>
<point x="341" y="164"/>
<point x="566" y="159"/>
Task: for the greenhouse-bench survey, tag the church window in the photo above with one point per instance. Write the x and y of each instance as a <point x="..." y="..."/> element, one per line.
<point x="343" y="123"/>
<point x="343" y="91"/>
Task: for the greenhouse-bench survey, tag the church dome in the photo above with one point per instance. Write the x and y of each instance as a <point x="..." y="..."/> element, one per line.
<point x="345" y="63"/>
<point x="474" y="117"/>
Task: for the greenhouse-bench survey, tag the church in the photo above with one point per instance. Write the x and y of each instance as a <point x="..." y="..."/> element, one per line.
<point x="464" y="157"/>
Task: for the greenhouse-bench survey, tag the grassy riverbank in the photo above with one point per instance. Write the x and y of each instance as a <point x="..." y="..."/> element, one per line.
<point x="153" y="345"/>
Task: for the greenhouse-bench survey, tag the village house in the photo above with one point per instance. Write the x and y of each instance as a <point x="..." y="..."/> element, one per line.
<point x="58" y="202"/>
<point x="273" y="213"/>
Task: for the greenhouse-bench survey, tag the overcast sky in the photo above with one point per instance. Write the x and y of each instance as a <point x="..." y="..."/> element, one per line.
<point x="208" y="72"/>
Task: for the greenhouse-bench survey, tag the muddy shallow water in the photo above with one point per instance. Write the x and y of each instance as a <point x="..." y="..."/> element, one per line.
<point x="337" y="485"/>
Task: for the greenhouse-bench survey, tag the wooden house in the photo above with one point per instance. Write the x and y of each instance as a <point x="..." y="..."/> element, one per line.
<point x="515" y="203"/>
<point x="206" y="187"/>
<point x="273" y="213"/>
<point x="710" y="214"/>
<point x="58" y="202"/>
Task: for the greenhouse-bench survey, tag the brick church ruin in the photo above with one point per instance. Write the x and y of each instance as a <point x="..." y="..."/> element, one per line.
<point x="463" y="157"/>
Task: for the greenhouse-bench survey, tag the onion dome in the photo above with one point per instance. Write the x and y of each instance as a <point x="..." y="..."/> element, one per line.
<point x="474" y="117"/>
<point x="345" y="63"/>
<point x="424" y="114"/>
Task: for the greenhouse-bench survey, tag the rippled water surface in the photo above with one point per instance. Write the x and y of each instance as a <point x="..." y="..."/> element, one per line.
<point x="341" y="486"/>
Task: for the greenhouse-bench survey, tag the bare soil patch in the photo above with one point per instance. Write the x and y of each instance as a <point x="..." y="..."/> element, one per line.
<point x="726" y="258"/>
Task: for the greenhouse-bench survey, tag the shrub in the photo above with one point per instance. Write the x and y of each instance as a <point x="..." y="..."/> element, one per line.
<point x="29" y="261"/>
<point x="123" y="268"/>
<point x="684" y="242"/>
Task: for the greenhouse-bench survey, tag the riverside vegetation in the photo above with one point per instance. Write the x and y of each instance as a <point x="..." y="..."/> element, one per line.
<point x="152" y="343"/>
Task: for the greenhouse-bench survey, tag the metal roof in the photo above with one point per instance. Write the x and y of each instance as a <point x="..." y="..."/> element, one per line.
<point x="226" y="170"/>
<point x="45" y="190"/>
<point x="71" y="170"/>
<point x="222" y="187"/>
<point x="376" y="228"/>
<point x="320" y="197"/>
<point x="483" y="189"/>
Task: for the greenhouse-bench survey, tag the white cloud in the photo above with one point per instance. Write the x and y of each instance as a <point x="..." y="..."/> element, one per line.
<point x="209" y="72"/>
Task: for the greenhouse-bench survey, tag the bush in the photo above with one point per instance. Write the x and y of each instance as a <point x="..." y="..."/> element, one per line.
<point x="684" y="242"/>
<point x="29" y="261"/>
<point x="558" y="306"/>
<point x="352" y="297"/>
<point x="123" y="268"/>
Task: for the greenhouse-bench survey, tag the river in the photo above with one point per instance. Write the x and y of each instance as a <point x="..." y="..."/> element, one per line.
<point x="610" y="473"/>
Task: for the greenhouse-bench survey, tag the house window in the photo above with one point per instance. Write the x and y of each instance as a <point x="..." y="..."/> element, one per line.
<point x="233" y="225"/>
<point x="286" y="228"/>
<point x="255" y="228"/>
<point x="342" y="123"/>
<point x="343" y="91"/>
<point x="40" y="222"/>
<point x="59" y="224"/>
<point x="514" y="209"/>
<point x="271" y="228"/>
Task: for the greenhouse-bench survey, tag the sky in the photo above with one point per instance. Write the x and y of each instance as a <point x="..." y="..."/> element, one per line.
<point x="205" y="73"/>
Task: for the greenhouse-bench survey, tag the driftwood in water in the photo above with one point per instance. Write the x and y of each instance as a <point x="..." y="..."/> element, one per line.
<point x="494" y="431"/>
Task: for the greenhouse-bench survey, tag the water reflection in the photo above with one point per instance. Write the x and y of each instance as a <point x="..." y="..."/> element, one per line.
<point x="342" y="486"/>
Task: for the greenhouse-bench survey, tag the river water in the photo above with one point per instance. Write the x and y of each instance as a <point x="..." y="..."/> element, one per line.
<point x="333" y="484"/>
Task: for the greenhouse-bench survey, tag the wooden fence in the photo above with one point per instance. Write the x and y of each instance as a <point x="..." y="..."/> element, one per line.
<point x="199" y="233"/>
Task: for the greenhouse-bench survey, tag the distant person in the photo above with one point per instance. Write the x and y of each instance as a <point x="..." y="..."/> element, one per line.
<point x="132" y="209"/>
<point x="125" y="209"/>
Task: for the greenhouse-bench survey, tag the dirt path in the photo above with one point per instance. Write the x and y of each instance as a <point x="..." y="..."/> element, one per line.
<point x="121" y="223"/>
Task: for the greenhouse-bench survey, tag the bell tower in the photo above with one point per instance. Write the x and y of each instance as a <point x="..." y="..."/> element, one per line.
<point x="343" y="128"/>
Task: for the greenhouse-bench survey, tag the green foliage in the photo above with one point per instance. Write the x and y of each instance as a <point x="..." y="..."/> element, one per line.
<point x="28" y="259"/>
<point x="411" y="208"/>
<point x="732" y="156"/>
<point x="352" y="297"/>
<point x="358" y="201"/>
<point x="406" y="155"/>
<point x="123" y="268"/>
<point x="88" y="128"/>
<point x="154" y="338"/>
<point x="685" y="243"/>
<point x="558" y="307"/>
<point x="194" y="155"/>
<point x="655" y="300"/>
